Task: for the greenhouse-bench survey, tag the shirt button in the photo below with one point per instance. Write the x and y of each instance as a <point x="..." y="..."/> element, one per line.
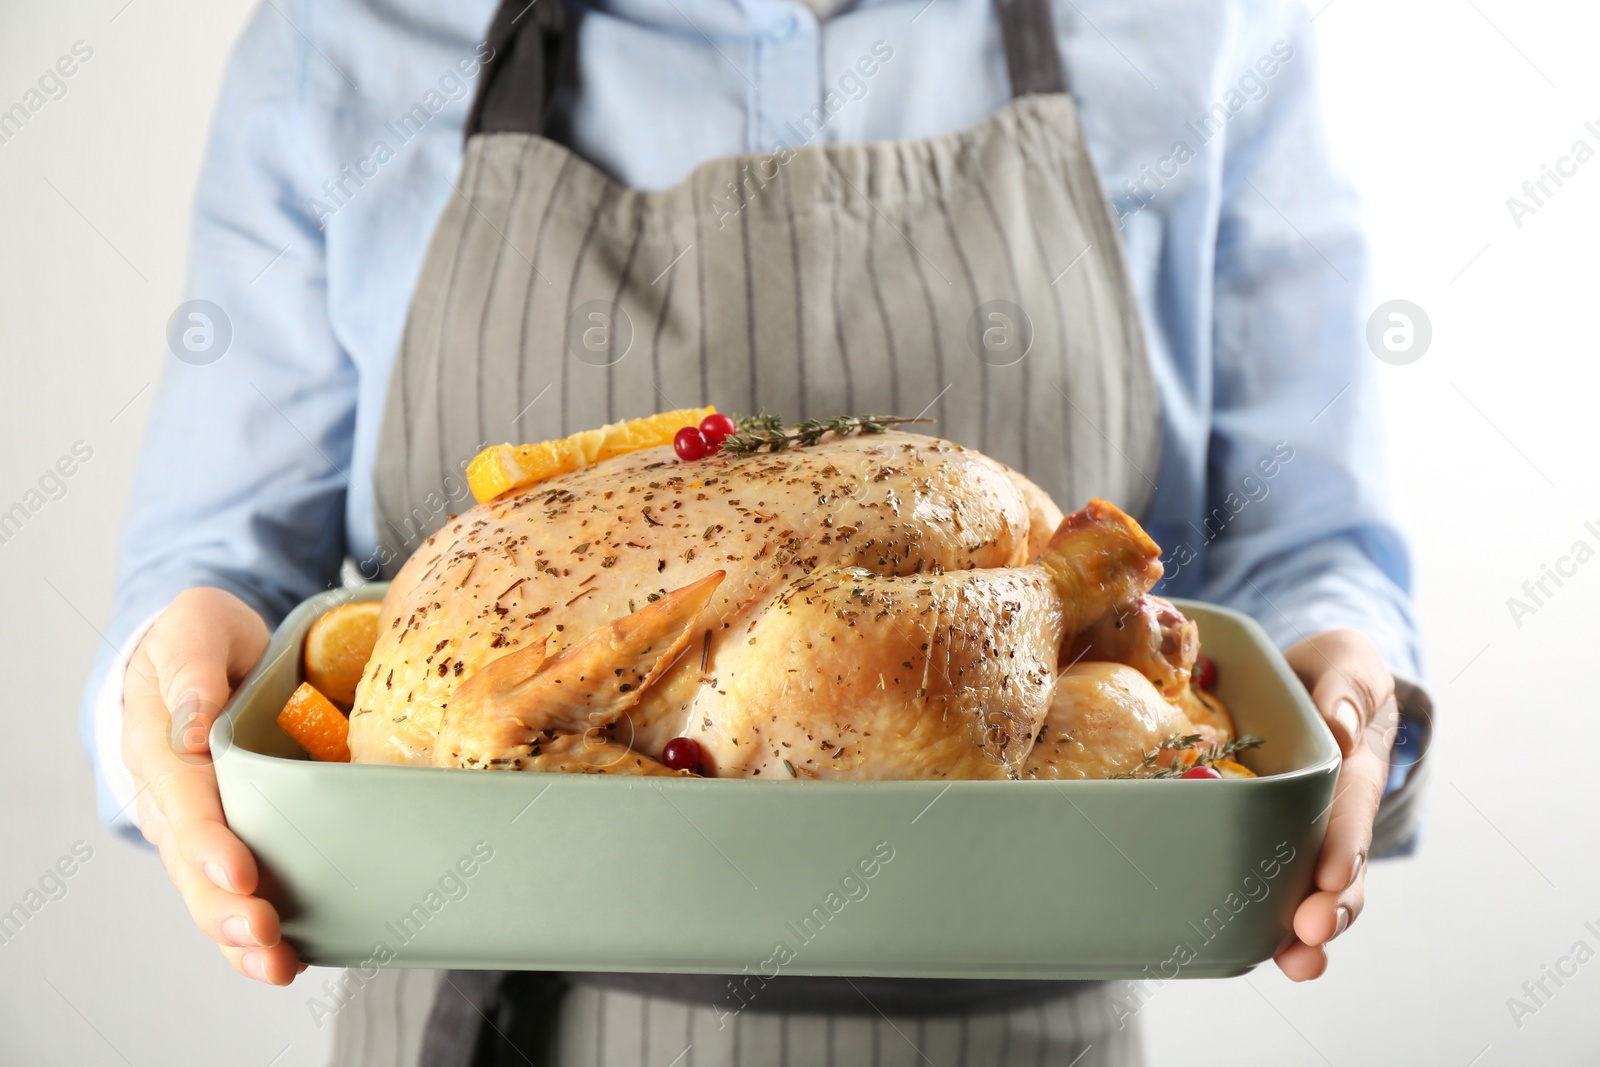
<point x="784" y="28"/>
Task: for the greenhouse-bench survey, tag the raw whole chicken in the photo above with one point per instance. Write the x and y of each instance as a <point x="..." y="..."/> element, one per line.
<point x="883" y="606"/>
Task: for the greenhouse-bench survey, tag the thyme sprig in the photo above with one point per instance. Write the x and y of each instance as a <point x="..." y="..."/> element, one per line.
<point x="1208" y="755"/>
<point x="763" y="431"/>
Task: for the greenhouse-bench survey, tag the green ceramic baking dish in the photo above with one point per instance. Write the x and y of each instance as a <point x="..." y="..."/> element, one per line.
<point x="402" y="866"/>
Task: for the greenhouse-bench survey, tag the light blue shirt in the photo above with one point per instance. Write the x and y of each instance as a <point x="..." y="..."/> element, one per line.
<point x="338" y="137"/>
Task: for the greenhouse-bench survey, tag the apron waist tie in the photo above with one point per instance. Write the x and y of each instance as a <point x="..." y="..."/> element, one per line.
<point x="817" y="995"/>
<point x="486" y="1018"/>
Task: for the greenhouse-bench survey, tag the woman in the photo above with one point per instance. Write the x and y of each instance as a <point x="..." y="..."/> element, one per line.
<point x="834" y="208"/>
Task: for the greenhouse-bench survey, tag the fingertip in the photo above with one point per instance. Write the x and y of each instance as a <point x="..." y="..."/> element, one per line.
<point x="267" y="927"/>
<point x="1315" y="919"/>
<point x="1346" y="719"/>
<point x="254" y="964"/>
<point x="1309" y="924"/>
<point x="237" y="931"/>
<point x="277" y="965"/>
<point x="243" y="871"/>
<point x="1339" y="874"/>
<point x="269" y="965"/>
<point x="1300" y="962"/>
<point x="1338" y="871"/>
<point x="225" y="861"/>
<point x="219" y="876"/>
<point x="286" y="966"/>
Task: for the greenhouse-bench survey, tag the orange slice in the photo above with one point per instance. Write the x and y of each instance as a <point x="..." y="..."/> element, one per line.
<point x="1229" y="769"/>
<point x="501" y="469"/>
<point x="316" y="725"/>
<point x="338" y="646"/>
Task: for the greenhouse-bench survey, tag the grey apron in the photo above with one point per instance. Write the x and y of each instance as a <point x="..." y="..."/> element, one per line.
<point x="976" y="278"/>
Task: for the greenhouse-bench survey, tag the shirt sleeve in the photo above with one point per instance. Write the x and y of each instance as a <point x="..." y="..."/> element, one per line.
<point x="242" y="478"/>
<point x="1297" y="530"/>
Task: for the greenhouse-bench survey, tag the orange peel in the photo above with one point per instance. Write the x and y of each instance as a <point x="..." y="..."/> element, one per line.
<point x="316" y="725"/>
<point x="502" y="469"/>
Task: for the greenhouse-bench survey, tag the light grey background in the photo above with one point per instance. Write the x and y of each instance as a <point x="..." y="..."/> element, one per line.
<point x="1441" y="111"/>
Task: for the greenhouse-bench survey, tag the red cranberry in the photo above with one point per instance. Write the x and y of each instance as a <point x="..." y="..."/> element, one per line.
<point x="716" y="428"/>
<point x="1205" y="673"/>
<point x="1200" y="770"/>
<point x="690" y="444"/>
<point x="682" y="754"/>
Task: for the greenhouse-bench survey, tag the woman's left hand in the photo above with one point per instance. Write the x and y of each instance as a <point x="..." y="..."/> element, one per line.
<point x="1354" y="690"/>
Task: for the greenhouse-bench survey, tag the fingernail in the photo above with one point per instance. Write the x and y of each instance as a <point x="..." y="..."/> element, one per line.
<point x="1341" y="921"/>
<point x="236" y="928"/>
<point x="218" y="876"/>
<point x="1355" y="869"/>
<point x="255" y="965"/>
<point x="1346" y="715"/>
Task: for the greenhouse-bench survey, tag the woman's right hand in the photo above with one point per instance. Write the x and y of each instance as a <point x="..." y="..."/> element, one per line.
<point x="177" y="681"/>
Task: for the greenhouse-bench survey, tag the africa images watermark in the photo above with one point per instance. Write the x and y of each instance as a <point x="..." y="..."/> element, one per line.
<point x="453" y="85"/>
<point x="1537" y="192"/>
<point x="51" y="486"/>
<point x="423" y="518"/>
<point x="51" y="886"/>
<point x="852" y="86"/>
<point x="1537" y="592"/>
<point x="452" y="886"/>
<point x="1536" y="992"/>
<point x="1251" y="490"/>
<point x="50" y="86"/>
<point x="1251" y="87"/>
<point x="1253" y="889"/>
<point x="852" y="887"/>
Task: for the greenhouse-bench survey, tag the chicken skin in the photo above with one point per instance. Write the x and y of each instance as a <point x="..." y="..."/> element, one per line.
<point x="883" y="606"/>
<point x="1104" y="718"/>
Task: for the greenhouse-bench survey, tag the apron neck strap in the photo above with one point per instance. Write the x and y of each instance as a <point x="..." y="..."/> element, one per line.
<point x="1033" y="57"/>
<point x="532" y="58"/>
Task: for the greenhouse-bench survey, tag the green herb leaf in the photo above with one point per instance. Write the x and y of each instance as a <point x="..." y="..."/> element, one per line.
<point x="757" y="432"/>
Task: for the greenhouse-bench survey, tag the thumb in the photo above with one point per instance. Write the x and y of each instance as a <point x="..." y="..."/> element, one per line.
<point x="1348" y="681"/>
<point x="202" y="645"/>
<point x="1345" y="708"/>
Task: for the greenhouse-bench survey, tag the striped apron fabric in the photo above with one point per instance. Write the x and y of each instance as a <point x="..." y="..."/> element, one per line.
<point x="386" y="1025"/>
<point x="619" y="1029"/>
<point x="975" y="278"/>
